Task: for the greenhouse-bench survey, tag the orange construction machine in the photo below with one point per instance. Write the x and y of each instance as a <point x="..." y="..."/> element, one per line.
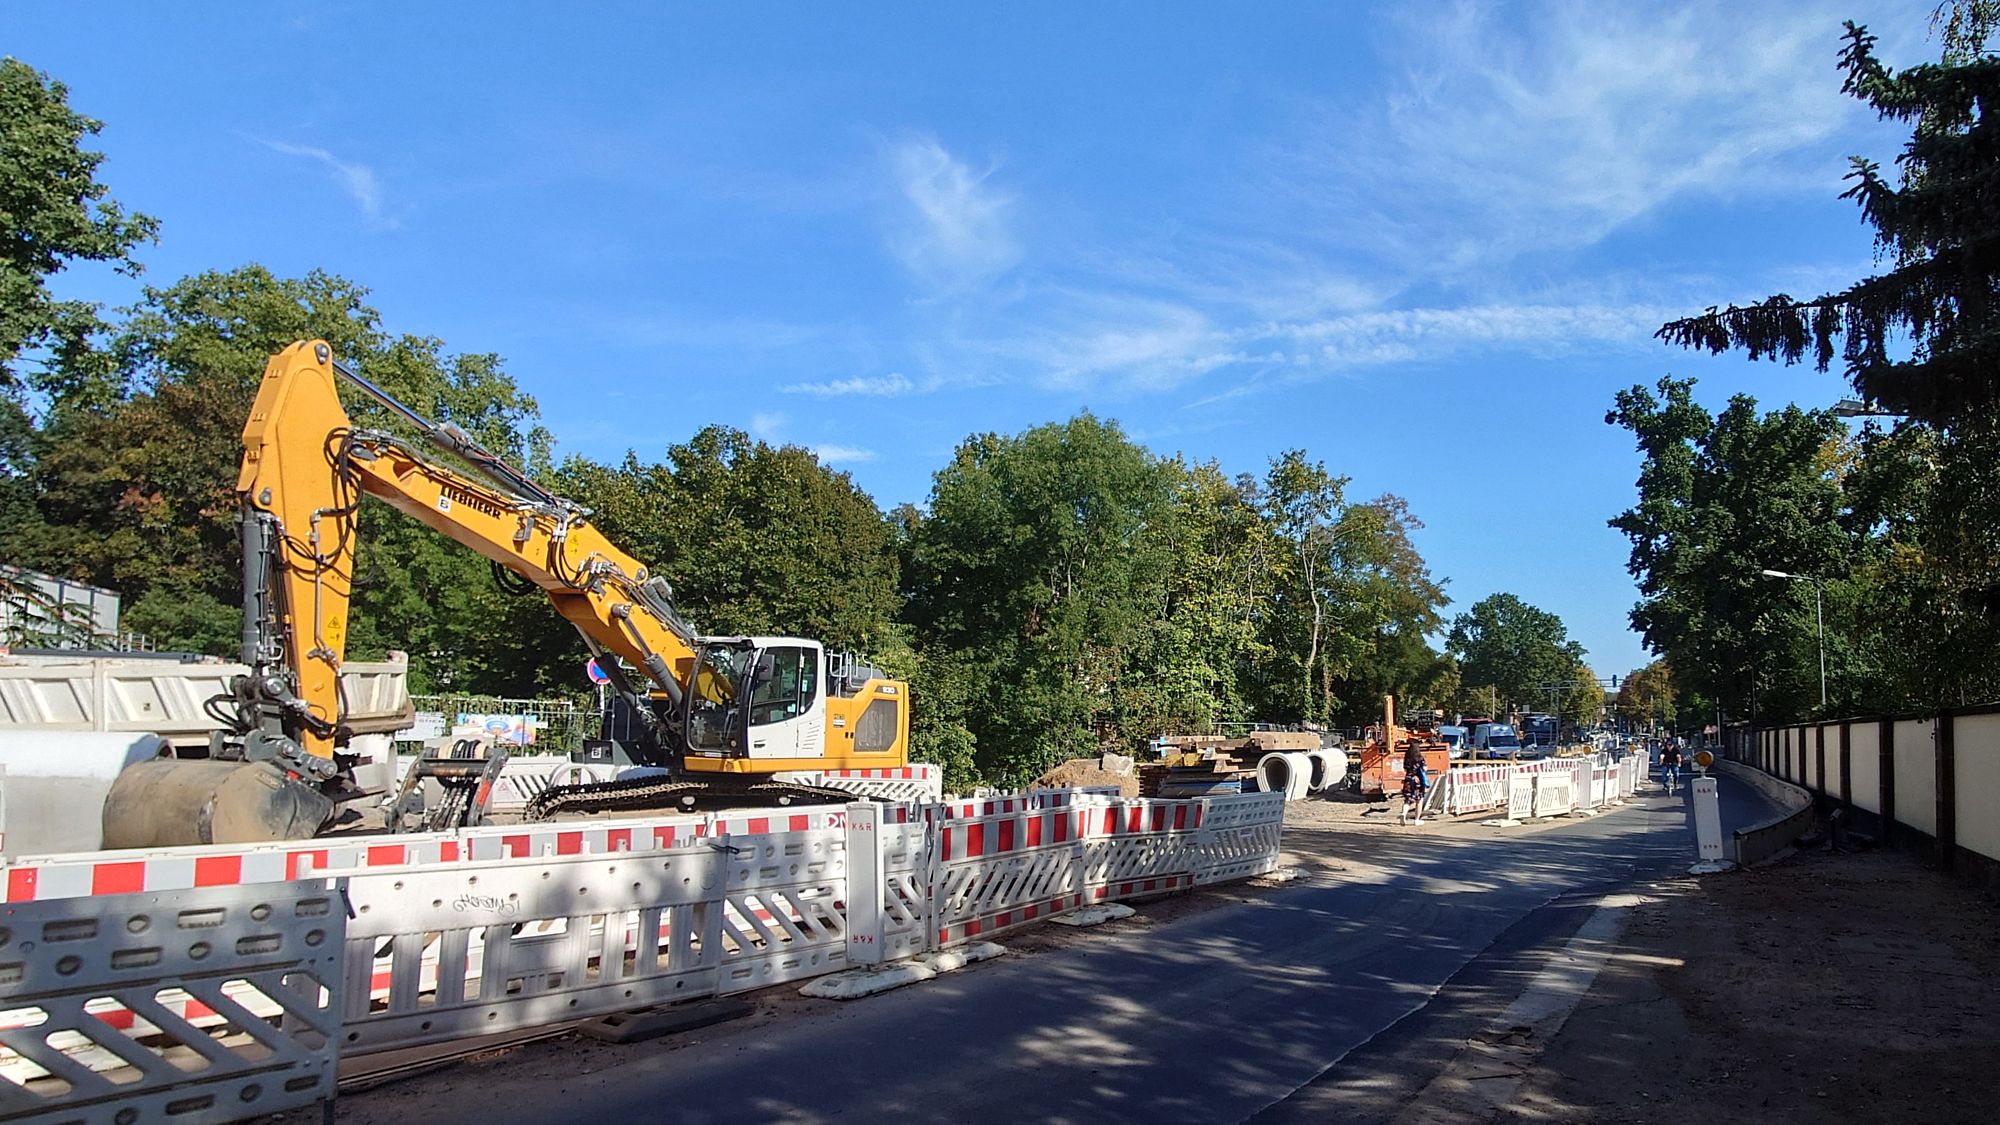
<point x="1382" y="758"/>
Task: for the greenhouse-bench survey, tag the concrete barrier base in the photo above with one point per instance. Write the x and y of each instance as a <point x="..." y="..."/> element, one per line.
<point x="1094" y="915"/>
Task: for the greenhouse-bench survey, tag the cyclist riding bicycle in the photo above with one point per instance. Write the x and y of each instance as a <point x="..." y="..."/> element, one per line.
<point x="1670" y="767"/>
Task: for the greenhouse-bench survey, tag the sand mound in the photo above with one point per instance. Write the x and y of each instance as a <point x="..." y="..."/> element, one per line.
<point x="1080" y="772"/>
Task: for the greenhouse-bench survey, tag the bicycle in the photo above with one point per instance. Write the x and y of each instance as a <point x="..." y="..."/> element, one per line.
<point x="1670" y="776"/>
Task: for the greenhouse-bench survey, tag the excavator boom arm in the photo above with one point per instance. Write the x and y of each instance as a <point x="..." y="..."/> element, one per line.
<point x="305" y="468"/>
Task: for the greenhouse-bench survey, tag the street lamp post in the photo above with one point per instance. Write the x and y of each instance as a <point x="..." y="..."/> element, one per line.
<point x="1819" y="623"/>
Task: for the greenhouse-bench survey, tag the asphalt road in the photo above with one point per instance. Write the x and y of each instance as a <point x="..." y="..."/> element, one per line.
<point x="1266" y="1010"/>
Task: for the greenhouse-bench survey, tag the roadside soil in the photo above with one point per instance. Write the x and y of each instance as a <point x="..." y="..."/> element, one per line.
<point x="1827" y="987"/>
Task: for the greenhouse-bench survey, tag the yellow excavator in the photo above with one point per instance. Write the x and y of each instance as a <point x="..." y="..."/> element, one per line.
<point x="726" y="718"/>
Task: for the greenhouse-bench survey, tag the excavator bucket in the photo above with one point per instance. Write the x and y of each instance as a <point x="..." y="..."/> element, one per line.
<point x="170" y="802"/>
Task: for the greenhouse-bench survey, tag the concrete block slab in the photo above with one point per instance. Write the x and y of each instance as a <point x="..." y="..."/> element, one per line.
<point x="1094" y="915"/>
<point x="853" y="984"/>
<point x="945" y="960"/>
<point x="651" y="1023"/>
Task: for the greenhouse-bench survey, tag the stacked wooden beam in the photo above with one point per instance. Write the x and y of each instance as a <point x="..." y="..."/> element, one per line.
<point x="1200" y="769"/>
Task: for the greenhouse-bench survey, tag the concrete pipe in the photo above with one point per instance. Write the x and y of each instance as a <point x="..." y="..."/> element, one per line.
<point x="1274" y="774"/>
<point x="1288" y="773"/>
<point x="53" y="785"/>
<point x="1302" y="768"/>
<point x="1331" y="767"/>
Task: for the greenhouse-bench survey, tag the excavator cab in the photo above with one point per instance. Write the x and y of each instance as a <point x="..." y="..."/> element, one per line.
<point x="758" y="704"/>
<point x="717" y="708"/>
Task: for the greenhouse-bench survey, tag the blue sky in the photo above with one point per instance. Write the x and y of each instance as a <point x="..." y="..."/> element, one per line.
<point x="1425" y="242"/>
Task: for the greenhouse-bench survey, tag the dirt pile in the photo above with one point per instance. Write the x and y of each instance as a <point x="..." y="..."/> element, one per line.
<point x="1080" y="772"/>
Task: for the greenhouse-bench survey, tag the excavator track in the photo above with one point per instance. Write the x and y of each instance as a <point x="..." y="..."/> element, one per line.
<point x="643" y="793"/>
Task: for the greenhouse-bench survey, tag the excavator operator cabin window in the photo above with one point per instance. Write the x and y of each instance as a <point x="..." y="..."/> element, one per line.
<point x="790" y="689"/>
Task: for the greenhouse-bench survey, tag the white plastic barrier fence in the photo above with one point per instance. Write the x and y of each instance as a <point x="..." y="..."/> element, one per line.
<point x="1238" y="838"/>
<point x="444" y="952"/>
<point x="1555" y="793"/>
<point x="1582" y="771"/>
<point x="919" y="781"/>
<point x="1476" y="789"/>
<point x="995" y="872"/>
<point x="568" y="921"/>
<point x="1520" y="795"/>
<point x="1019" y="864"/>
<point x="898" y="855"/>
<point x="1549" y="787"/>
<point x="31" y="878"/>
<point x="102" y="999"/>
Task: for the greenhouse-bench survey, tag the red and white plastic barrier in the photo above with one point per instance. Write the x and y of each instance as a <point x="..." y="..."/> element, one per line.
<point x="31" y="878"/>
<point x="514" y="926"/>
<point x="1548" y="787"/>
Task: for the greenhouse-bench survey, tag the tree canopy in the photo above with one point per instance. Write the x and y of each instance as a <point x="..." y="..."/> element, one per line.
<point x="1516" y="653"/>
<point x="1893" y="527"/>
<point x="1723" y="498"/>
<point x="1923" y="338"/>
<point x="53" y="211"/>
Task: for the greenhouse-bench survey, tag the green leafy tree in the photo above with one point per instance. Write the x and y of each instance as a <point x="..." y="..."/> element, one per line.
<point x="1202" y="634"/>
<point x="1515" y="648"/>
<point x="1721" y="499"/>
<point x="1386" y="606"/>
<point x="1303" y="503"/>
<point x="1920" y="618"/>
<point x="53" y="211"/>
<point x="1033" y="567"/>
<point x="133" y="482"/>
<point x="1582" y="704"/>
<point x="754" y="538"/>
<point x="1648" y="696"/>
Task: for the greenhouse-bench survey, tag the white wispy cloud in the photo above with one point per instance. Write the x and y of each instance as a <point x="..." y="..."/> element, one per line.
<point x="842" y="454"/>
<point x="951" y="228"/>
<point x="882" y="386"/>
<point x="1466" y="200"/>
<point x="1547" y="128"/>
<point x="768" y="426"/>
<point x="1131" y="346"/>
<point x="1391" y="336"/>
<point x="1134" y="344"/>
<point x="359" y="181"/>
